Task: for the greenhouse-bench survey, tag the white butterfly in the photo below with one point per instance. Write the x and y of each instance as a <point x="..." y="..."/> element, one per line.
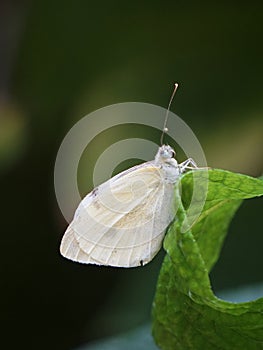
<point x="123" y="221"/>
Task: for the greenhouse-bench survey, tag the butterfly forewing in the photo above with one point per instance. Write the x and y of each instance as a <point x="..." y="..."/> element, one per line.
<point x="123" y="221"/>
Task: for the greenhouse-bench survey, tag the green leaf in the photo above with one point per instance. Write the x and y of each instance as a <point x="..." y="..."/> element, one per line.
<point x="186" y="313"/>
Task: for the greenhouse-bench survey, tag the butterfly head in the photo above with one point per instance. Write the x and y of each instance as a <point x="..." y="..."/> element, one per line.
<point x="164" y="154"/>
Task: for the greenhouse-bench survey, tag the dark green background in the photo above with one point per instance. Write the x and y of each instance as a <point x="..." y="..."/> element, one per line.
<point x="64" y="59"/>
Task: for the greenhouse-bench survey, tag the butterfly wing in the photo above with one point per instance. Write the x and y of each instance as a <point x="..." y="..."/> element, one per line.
<point x="122" y="222"/>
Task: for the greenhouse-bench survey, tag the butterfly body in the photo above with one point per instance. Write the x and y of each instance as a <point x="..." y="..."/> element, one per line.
<point x="122" y="222"/>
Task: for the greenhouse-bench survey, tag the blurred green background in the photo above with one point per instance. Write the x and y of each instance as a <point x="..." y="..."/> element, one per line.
<point x="61" y="60"/>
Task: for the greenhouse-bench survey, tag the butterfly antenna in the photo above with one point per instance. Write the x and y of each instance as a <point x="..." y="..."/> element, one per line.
<point x="165" y="129"/>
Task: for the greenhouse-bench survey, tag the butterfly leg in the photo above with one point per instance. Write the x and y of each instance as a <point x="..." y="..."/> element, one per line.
<point x="188" y="164"/>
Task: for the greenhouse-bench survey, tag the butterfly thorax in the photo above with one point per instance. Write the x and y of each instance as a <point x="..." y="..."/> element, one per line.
<point x="168" y="165"/>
